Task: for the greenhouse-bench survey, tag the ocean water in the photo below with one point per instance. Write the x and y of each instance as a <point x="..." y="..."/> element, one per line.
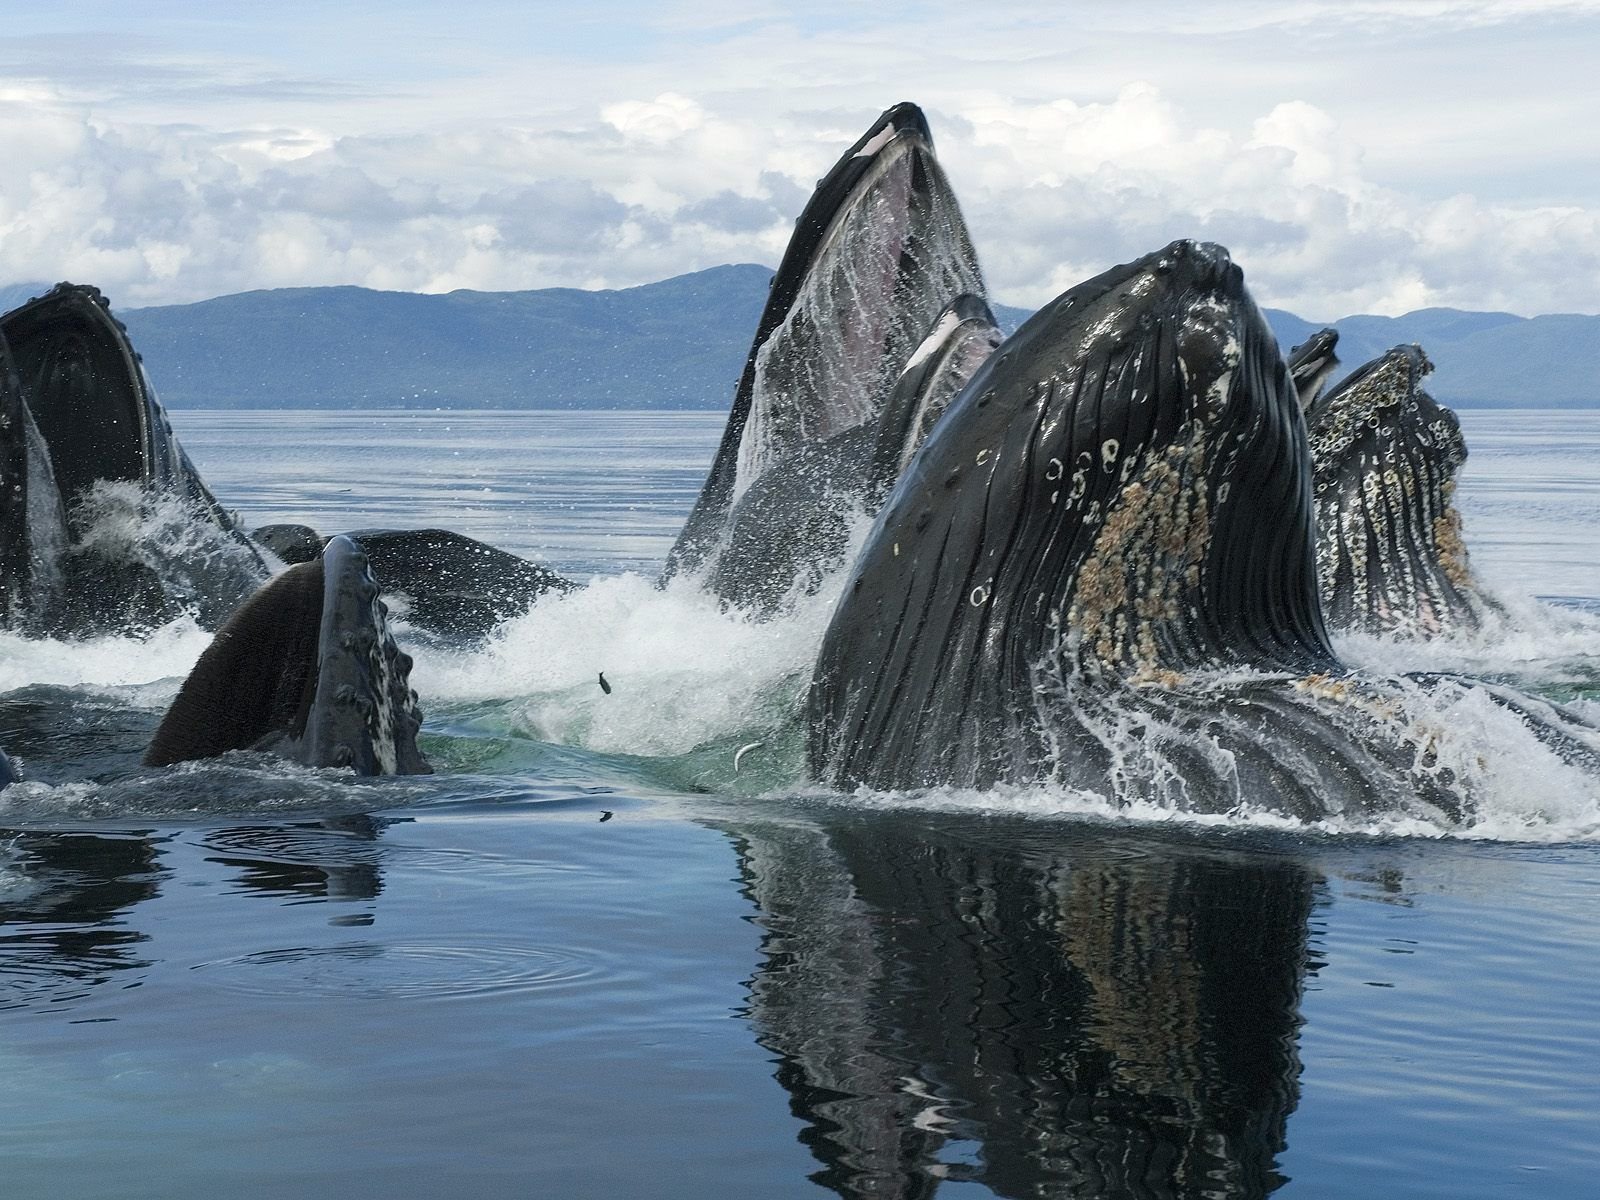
<point x="615" y="948"/>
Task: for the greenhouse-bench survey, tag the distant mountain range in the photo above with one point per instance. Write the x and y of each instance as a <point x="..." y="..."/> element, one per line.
<point x="680" y="343"/>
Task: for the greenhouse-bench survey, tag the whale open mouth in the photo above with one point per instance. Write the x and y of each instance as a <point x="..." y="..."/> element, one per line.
<point x="877" y="256"/>
<point x="78" y="416"/>
<point x="1121" y="492"/>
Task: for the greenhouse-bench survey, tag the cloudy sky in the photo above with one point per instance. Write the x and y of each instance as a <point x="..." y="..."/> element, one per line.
<point x="1355" y="155"/>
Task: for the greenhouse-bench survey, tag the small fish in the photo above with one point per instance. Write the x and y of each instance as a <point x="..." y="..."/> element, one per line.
<point x="604" y="686"/>
<point x="741" y="752"/>
<point x="605" y="815"/>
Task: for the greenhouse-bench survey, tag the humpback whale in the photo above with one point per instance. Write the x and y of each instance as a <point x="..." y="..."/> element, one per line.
<point x="87" y="454"/>
<point x="306" y="669"/>
<point x="876" y="258"/>
<point x="1100" y="570"/>
<point x="1390" y="555"/>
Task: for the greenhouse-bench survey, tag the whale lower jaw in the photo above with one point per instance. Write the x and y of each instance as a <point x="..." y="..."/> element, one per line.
<point x="305" y="669"/>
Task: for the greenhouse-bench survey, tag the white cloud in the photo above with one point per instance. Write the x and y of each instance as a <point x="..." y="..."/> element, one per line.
<point x="655" y="122"/>
<point x="1345" y="172"/>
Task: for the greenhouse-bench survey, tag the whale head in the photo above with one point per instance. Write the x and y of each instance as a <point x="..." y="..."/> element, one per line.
<point x="877" y="254"/>
<point x="1385" y="454"/>
<point x="1122" y="492"/>
<point x="86" y="455"/>
<point x="306" y="668"/>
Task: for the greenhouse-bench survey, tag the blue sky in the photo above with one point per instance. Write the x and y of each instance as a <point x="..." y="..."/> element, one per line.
<point x="1365" y="155"/>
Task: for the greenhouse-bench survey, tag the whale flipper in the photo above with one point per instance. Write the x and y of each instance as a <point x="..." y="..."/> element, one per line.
<point x="878" y="252"/>
<point x="305" y="668"/>
<point x="1390" y="554"/>
<point x="85" y="463"/>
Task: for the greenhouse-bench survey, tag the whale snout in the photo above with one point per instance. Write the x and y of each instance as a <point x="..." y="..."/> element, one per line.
<point x="1199" y="264"/>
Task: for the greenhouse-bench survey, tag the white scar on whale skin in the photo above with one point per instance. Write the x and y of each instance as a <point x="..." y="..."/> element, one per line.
<point x="876" y="142"/>
<point x="946" y="326"/>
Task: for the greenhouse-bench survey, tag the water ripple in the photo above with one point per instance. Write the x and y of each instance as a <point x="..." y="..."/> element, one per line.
<point x="402" y="970"/>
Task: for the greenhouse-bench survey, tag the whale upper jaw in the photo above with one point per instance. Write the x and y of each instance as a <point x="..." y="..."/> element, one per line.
<point x="364" y="714"/>
<point x="1312" y="364"/>
<point x="1145" y="406"/>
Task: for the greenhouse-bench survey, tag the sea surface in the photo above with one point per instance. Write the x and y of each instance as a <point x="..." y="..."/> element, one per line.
<point x="616" y="947"/>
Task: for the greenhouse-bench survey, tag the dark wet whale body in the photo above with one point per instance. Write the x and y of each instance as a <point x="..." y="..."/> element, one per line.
<point x="88" y="458"/>
<point x="1100" y="571"/>
<point x="306" y="669"/>
<point x="1390" y="553"/>
<point x="877" y="258"/>
<point x="450" y="585"/>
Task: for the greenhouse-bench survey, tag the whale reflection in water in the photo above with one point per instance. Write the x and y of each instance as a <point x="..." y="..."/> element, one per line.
<point x="1058" y="1013"/>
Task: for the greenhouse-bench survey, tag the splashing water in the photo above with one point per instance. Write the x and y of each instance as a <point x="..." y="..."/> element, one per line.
<point x="149" y="667"/>
<point x="1522" y="641"/>
<point x="684" y="670"/>
<point x="203" y="569"/>
<point x="695" y="682"/>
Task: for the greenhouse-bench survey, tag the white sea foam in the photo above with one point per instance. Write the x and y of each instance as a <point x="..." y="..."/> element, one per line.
<point x="1518" y="788"/>
<point x="203" y="568"/>
<point x="1536" y="812"/>
<point x="683" y="669"/>
<point x="1528" y="641"/>
<point x="159" y="660"/>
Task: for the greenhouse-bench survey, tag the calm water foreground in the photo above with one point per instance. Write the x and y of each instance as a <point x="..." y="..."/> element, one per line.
<point x="592" y="959"/>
